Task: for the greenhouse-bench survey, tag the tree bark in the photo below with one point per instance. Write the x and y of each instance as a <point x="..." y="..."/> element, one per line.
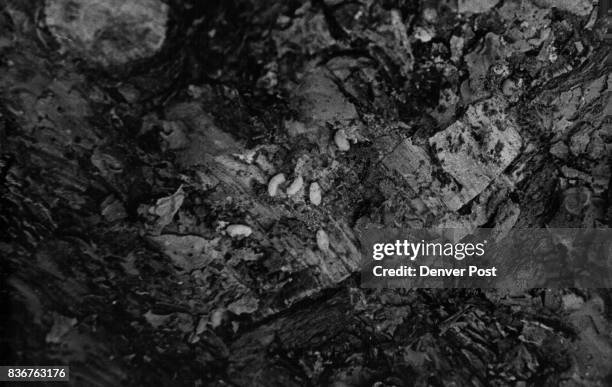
<point x="121" y="176"/>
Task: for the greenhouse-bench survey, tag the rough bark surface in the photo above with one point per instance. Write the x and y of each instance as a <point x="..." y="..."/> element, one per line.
<point x="183" y="187"/>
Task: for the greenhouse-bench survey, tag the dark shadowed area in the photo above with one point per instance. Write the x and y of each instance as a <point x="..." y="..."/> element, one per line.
<point x="184" y="185"/>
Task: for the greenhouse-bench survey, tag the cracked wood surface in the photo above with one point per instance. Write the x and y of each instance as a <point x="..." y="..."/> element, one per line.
<point x="119" y="186"/>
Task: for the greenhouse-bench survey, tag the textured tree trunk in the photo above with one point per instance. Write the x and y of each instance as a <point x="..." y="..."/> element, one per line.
<point x="142" y="245"/>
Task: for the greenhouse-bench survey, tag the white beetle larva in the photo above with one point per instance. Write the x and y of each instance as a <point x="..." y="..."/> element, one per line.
<point x="342" y="141"/>
<point x="238" y="230"/>
<point x="274" y="183"/>
<point x="322" y="240"/>
<point x="314" y="193"/>
<point x="295" y="186"/>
